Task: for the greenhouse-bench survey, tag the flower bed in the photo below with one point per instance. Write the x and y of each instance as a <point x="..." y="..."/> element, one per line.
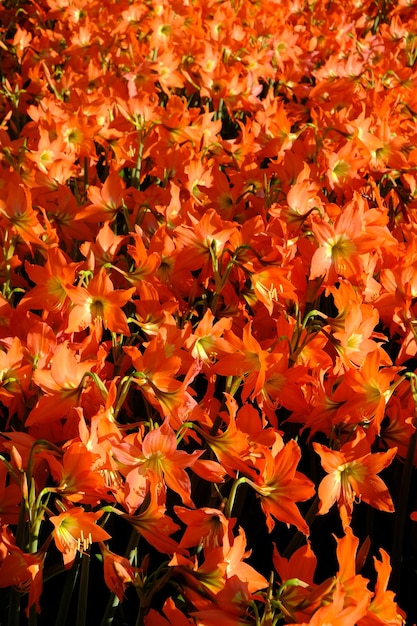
<point x="208" y="313"/>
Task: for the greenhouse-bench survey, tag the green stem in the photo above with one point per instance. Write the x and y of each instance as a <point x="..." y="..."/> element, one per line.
<point x="14" y="608"/>
<point x="36" y="524"/>
<point x="125" y="385"/>
<point x="146" y="598"/>
<point x="313" y="313"/>
<point x="33" y="616"/>
<point x="137" y="172"/>
<point x="232" y="496"/>
<point x="101" y="386"/>
<point x="83" y="591"/>
<point x="185" y="426"/>
<point x="21" y="524"/>
<point x="70" y="580"/>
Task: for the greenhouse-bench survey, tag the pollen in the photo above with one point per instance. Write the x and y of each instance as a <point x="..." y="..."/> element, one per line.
<point x="97" y="309"/>
<point x="340" y="247"/>
<point x="83" y="543"/>
<point x="340" y="170"/>
<point x="73" y="136"/>
<point x="354" y="342"/>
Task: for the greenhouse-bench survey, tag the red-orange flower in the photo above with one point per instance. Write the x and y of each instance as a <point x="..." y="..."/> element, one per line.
<point x="337" y="612"/>
<point x="118" y="572"/>
<point x="158" y="454"/>
<point x="98" y="305"/>
<point x="62" y="386"/>
<point x="20" y="570"/>
<point x="75" y="530"/>
<point x="105" y="201"/>
<point x="352" y="473"/>
<point x="17" y="213"/>
<point x="205" y="526"/>
<point x="280" y="486"/>
<point x="49" y="293"/>
<point x="80" y="480"/>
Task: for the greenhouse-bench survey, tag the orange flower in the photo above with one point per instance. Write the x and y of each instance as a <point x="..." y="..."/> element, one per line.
<point x="230" y="607"/>
<point x="302" y="198"/>
<point x="14" y="378"/>
<point x="367" y="392"/>
<point x="80" y="479"/>
<point x="244" y="357"/>
<point x="153" y="524"/>
<point x="297" y="598"/>
<point x="75" y="531"/>
<point x="98" y="305"/>
<point x="272" y="285"/>
<point x="146" y="263"/>
<point x="118" y="572"/>
<point x="203" y="241"/>
<point x="383" y="609"/>
<point x="62" y="385"/>
<point x="20" y="570"/>
<point x="336" y="612"/>
<point x="48" y="152"/>
<point x="234" y="555"/>
<point x="205" y="526"/>
<point x="354" y="585"/>
<point x="159" y="454"/>
<point x="104" y="250"/>
<point x="49" y="293"/>
<point x="352" y="473"/>
<point x="16" y="210"/>
<point x="205" y="584"/>
<point x="338" y="252"/>
<point x="343" y="166"/>
<point x="106" y="201"/>
<point x="231" y="446"/>
<point x="62" y="208"/>
<point x="205" y="343"/>
<point x="354" y="327"/>
<point x="280" y="486"/>
<point x="174" y="617"/>
<point x="155" y="375"/>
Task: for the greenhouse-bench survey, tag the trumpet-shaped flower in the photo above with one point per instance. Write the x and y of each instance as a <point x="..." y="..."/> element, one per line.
<point x="98" y="305"/>
<point x="75" y="530"/>
<point x="280" y="486"/>
<point x="158" y="453"/>
<point x="62" y="386"/>
<point x="118" y="572"/>
<point x="20" y="570"/>
<point x="352" y="476"/>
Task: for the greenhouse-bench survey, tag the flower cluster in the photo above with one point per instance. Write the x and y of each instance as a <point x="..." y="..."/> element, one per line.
<point x="208" y="318"/>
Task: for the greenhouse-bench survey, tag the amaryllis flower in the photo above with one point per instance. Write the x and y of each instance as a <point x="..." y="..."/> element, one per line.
<point x="98" y="305"/>
<point x="19" y="569"/>
<point x="159" y="455"/>
<point x="351" y="475"/>
<point x="280" y="486"/>
<point x="75" y="530"/>
<point x="118" y="572"/>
